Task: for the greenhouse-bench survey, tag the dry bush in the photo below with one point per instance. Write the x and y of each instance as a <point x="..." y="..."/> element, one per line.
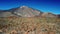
<point x="29" y="25"/>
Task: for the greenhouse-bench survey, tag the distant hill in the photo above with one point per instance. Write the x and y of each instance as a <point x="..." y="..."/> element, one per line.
<point x="58" y="16"/>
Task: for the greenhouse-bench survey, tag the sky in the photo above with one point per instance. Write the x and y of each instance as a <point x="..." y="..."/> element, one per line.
<point x="52" y="6"/>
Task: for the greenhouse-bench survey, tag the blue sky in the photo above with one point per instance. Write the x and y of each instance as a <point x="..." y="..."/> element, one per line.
<point x="52" y="6"/>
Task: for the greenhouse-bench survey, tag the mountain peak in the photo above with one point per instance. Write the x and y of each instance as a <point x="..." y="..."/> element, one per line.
<point x="24" y="7"/>
<point x="25" y="11"/>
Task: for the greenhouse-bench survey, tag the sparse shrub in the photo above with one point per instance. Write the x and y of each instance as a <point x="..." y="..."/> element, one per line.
<point x="30" y="24"/>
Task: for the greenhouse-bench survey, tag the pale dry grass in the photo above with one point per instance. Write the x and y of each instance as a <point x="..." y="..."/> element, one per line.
<point x="34" y="25"/>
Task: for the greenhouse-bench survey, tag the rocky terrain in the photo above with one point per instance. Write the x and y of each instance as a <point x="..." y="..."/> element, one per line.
<point x="26" y="20"/>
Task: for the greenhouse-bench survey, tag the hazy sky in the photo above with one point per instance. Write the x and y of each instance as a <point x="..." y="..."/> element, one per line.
<point x="43" y="5"/>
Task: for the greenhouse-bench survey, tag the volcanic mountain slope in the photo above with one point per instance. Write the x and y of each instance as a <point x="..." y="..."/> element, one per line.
<point x="24" y="11"/>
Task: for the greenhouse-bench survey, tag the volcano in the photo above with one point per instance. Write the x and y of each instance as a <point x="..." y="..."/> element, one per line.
<point x="24" y="11"/>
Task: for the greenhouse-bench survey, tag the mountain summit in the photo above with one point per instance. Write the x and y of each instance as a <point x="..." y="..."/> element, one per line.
<point x="24" y="11"/>
<point x="24" y="7"/>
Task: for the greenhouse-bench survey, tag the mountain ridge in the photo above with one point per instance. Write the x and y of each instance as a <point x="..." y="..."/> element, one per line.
<point x="24" y="11"/>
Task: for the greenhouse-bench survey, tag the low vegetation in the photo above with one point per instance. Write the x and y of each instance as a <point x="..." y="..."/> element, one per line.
<point x="34" y="25"/>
